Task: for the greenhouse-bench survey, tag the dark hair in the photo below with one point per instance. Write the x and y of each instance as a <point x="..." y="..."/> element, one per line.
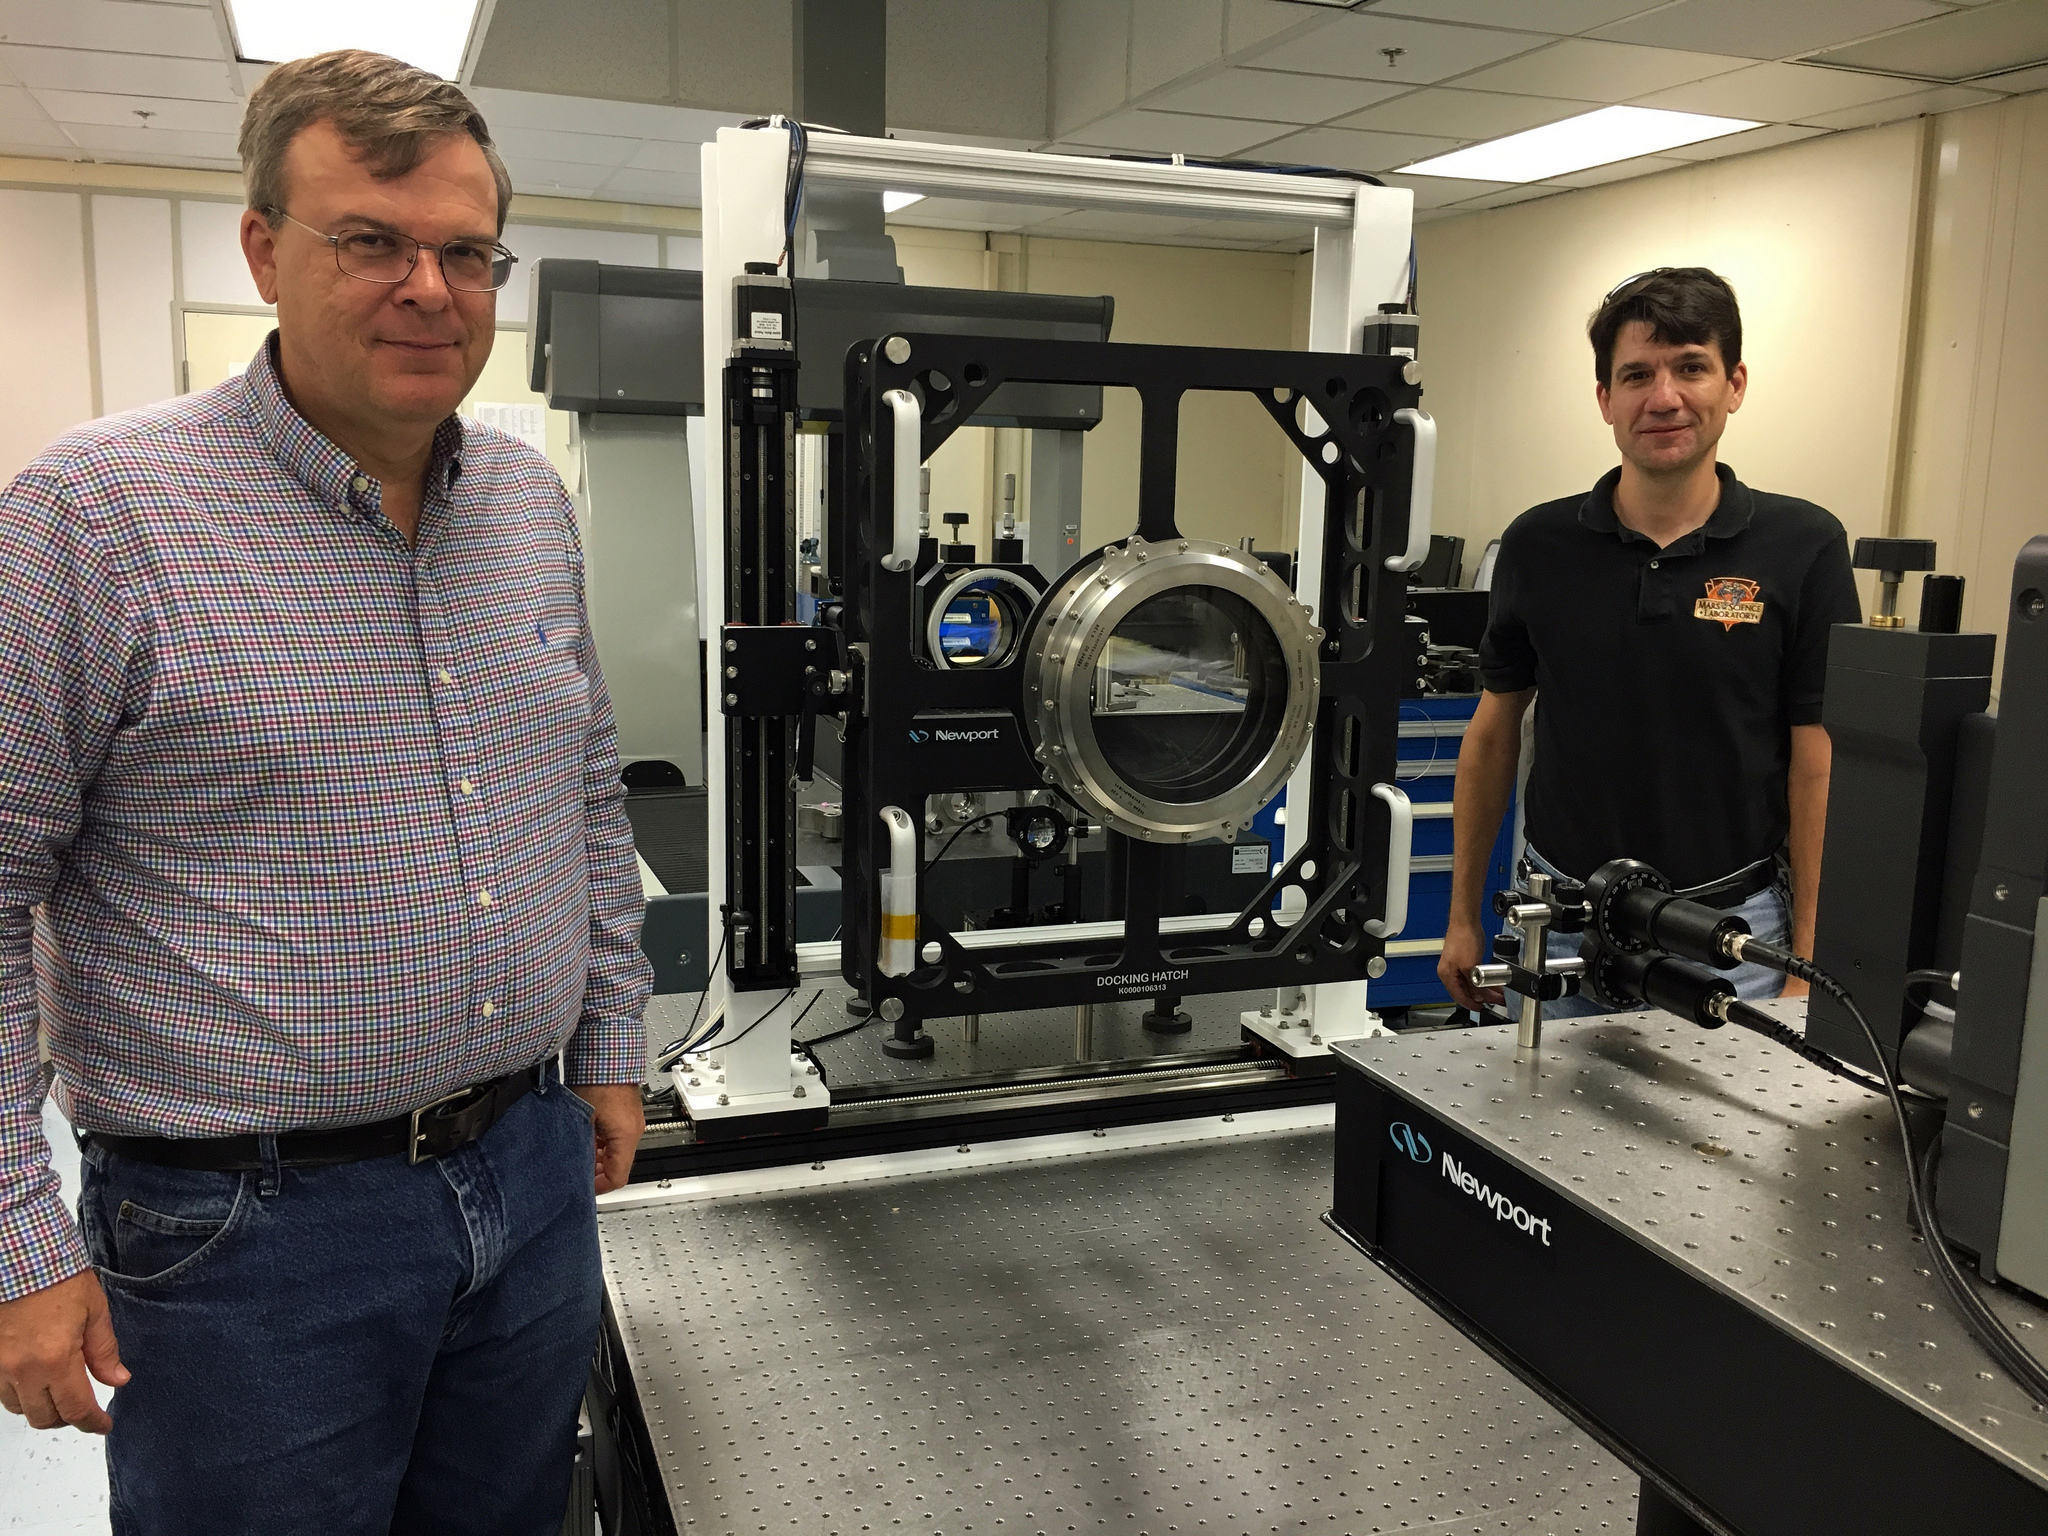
<point x="388" y="112"/>
<point x="1682" y="306"/>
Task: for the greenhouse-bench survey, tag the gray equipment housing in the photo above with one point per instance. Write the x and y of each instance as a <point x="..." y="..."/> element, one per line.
<point x="1937" y="859"/>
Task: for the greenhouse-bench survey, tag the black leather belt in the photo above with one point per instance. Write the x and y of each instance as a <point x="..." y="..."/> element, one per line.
<point x="1723" y="894"/>
<point x="433" y="1130"/>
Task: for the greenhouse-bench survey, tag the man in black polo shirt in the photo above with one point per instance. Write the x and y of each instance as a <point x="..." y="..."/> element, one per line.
<point x="1675" y="625"/>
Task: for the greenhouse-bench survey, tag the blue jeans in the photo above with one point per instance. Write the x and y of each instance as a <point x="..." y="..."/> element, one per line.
<point x="1768" y="913"/>
<point x="374" y="1347"/>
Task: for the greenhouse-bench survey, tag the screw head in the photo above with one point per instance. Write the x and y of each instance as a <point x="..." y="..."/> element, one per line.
<point x="723" y="1099"/>
<point x="1376" y="967"/>
<point x="1976" y="1111"/>
<point x="892" y="1008"/>
<point x="732" y="698"/>
<point x="896" y="349"/>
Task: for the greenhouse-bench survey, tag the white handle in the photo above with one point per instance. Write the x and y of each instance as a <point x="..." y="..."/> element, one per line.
<point x="897" y="940"/>
<point x="1400" y="844"/>
<point x="1421" y="489"/>
<point x="908" y="440"/>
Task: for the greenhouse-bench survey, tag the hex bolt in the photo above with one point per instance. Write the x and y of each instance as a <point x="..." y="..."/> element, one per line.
<point x="723" y="1099"/>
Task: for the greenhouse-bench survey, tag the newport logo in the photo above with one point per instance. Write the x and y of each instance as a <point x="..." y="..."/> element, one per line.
<point x="944" y="733"/>
<point x="918" y="738"/>
<point x="1497" y="1201"/>
<point x="1409" y="1140"/>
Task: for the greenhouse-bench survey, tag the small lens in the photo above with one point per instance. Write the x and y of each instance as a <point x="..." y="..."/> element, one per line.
<point x="977" y="628"/>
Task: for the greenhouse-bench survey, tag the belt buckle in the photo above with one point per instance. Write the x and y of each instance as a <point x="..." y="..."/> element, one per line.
<point x="415" y="1136"/>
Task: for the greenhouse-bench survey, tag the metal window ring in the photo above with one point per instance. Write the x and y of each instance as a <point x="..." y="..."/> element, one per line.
<point x="1013" y="597"/>
<point x="1100" y="702"/>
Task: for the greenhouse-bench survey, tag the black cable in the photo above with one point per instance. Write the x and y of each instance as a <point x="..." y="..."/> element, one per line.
<point x="983" y="822"/>
<point x="662" y="1057"/>
<point x="770" y="1013"/>
<point x="1998" y="1340"/>
<point x="838" y="1034"/>
<point x="1784" y="1034"/>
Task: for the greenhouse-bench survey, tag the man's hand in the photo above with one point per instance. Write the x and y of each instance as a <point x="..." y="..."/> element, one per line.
<point x="49" y="1339"/>
<point x="620" y="1120"/>
<point x="1465" y="947"/>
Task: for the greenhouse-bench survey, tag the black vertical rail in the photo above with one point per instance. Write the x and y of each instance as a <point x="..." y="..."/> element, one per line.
<point x="760" y="912"/>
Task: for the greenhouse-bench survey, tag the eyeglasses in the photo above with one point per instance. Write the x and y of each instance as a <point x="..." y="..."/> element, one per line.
<point x="384" y="256"/>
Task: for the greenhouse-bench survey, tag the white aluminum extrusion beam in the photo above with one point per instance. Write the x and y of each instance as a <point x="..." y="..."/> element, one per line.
<point x="1081" y="181"/>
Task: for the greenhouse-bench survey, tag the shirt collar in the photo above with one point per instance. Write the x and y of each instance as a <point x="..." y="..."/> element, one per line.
<point x="1731" y="515"/>
<point x="315" y="462"/>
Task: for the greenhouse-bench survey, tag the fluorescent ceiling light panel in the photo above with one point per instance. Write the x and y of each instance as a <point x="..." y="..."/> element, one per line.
<point x="893" y="201"/>
<point x="431" y="34"/>
<point x="1579" y="144"/>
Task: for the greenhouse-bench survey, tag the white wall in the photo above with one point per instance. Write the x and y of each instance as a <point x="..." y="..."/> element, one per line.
<point x="1817" y="239"/>
<point x="45" y="322"/>
<point x="92" y="279"/>
<point x="1976" y="460"/>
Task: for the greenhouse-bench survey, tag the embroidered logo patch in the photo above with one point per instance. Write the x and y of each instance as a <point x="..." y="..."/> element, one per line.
<point x="1731" y="600"/>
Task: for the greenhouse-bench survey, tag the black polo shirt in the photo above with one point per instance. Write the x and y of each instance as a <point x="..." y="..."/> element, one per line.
<point x="1668" y="679"/>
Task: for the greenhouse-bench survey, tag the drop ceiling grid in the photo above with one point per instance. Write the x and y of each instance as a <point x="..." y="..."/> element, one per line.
<point x="110" y="79"/>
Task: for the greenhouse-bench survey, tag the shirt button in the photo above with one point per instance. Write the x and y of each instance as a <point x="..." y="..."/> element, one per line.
<point x="445" y="675"/>
<point x="360" y="483"/>
<point x="1654" y="564"/>
<point x="489" y="1008"/>
<point x="468" y="787"/>
<point x="484" y="898"/>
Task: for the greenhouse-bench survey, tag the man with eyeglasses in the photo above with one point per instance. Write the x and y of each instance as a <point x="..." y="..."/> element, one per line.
<point x="1672" y="628"/>
<point x="312" y="789"/>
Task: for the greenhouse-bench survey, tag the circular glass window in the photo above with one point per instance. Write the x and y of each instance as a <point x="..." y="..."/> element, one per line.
<point x="977" y="621"/>
<point x="1189" y="694"/>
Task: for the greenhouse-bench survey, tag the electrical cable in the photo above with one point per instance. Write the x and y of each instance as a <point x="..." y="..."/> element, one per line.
<point x="1783" y="1034"/>
<point x="983" y="822"/>
<point x="669" y="1054"/>
<point x="1990" y="1331"/>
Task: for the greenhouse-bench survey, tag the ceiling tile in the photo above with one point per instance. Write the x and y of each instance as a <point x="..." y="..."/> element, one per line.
<point x="1178" y="132"/>
<point x="153" y="144"/>
<point x="517" y="144"/>
<point x="1508" y="198"/>
<point x="1620" y="170"/>
<point x="1768" y="29"/>
<point x="669" y="159"/>
<point x="2017" y="80"/>
<point x="1957" y="46"/>
<point x="580" y="114"/>
<point x="111" y="26"/>
<point x="1350" y="150"/>
<point x="971" y="140"/>
<point x="1579" y="69"/>
<point x="1775" y="93"/>
<point x="17" y="105"/>
<point x="1767" y="137"/>
<point x="1252" y="233"/>
<point x="164" y="112"/>
<point x="1352" y="45"/>
<point x="1895" y="109"/>
<point x="1250" y="22"/>
<point x="1456" y="114"/>
<point x="121" y="74"/>
<point x="1265" y="93"/>
<point x="550" y="177"/>
<point x="30" y="137"/>
<point x="669" y="188"/>
<point x="1439" y="191"/>
<point x="1565" y="16"/>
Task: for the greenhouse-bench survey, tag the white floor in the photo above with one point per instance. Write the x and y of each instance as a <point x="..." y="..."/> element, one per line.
<point x="55" y="1479"/>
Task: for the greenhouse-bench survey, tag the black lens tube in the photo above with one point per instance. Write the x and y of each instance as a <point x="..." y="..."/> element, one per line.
<point x="1665" y="981"/>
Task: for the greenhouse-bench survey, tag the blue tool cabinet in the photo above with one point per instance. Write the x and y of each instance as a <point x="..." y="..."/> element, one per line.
<point x="1432" y="731"/>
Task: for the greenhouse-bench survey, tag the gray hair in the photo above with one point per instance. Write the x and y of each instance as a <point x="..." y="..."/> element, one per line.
<point x="387" y="111"/>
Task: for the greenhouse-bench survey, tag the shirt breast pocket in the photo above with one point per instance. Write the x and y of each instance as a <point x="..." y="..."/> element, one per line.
<point x="560" y="679"/>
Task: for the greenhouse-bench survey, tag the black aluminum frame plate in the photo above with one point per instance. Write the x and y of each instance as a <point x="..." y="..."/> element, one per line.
<point x="1365" y="461"/>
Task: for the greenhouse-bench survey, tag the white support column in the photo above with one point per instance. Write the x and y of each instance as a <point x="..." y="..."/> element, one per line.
<point x="1354" y="272"/>
<point x="743" y="175"/>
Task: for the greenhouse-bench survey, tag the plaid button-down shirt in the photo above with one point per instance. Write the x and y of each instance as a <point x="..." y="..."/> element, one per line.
<point x="322" y="825"/>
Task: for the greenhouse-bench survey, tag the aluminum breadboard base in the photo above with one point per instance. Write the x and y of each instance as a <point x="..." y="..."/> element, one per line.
<point x="1147" y="1340"/>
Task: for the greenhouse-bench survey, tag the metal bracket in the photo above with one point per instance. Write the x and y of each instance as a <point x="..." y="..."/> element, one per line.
<point x="780" y="669"/>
